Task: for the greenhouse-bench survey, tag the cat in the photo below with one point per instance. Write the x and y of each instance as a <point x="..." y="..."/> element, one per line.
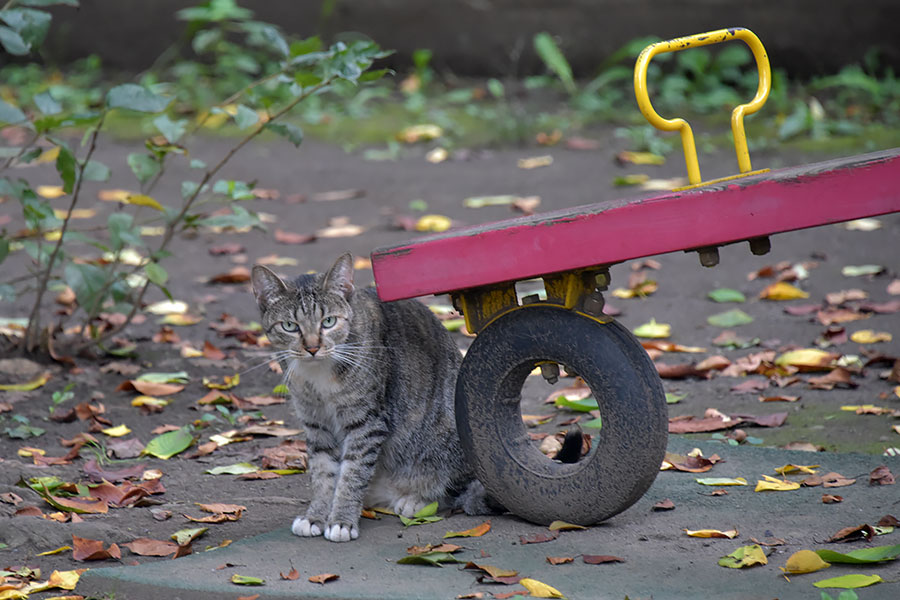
<point x="373" y="384"/>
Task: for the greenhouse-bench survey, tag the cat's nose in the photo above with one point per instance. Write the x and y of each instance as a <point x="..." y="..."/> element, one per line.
<point x="312" y="350"/>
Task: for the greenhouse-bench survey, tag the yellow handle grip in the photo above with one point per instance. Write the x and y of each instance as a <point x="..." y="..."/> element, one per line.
<point x="737" y="115"/>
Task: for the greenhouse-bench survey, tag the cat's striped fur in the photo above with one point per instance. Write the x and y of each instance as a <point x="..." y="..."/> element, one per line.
<point x="373" y="385"/>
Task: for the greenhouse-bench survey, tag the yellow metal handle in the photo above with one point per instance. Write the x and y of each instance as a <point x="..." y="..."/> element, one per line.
<point x="737" y="115"/>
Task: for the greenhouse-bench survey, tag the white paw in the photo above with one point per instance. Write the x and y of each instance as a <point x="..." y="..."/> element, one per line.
<point x="407" y="506"/>
<point x="341" y="533"/>
<point x="304" y="528"/>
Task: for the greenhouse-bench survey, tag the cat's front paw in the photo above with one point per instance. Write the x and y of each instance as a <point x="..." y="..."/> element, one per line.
<point x="305" y="528"/>
<point x="337" y="532"/>
<point x="407" y="506"/>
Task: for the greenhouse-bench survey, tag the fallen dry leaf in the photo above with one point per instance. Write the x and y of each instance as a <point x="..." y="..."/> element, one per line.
<point x="292" y="575"/>
<point x="831" y="499"/>
<point x="881" y="475"/>
<point x="476" y="531"/>
<point x="852" y="534"/>
<point x="290" y="237"/>
<point x="712" y="533"/>
<point x="538" y="538"/>
<point x="237" y="274"/>
<point x="599" y="559"/>
<point x="150" y="547"/>
<point x="84" y="549"/>
<point x="560" y="560"/>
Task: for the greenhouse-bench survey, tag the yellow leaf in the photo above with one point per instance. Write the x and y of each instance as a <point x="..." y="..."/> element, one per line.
<point x="792" y="468"/>
<point x="434" y="223"/>
<point x="28" y="451"/>
<point x="148" y="401"/>
<point x="717" y="481"/>
<point x="28" y="385"/>
<point x="48" y="156"/>
<point x="75" y="213"/>
<point x="56" y="551"/>
<point x="117" y="431"/>
<point x="114" y="195"/>
<point x="64" y="580"/>
<point x="188" y="351"/>
<point x="653" y="330"/>
<point x="640" y="158"/>
<point x="148" y="231"/>
<point x="437" y="155"/>
<point x="13" y="595"/>
<point x="168" y="307"/>
<point x="180" y="320"/>
<point x="775" y="485"/>
<point x="804" y="561"/>
<point x="867" y="336"/>
<point x="539" y="589"/>
<point x="230" y="381"/>
<point x="712" y="533"/>
<point x="897" y="391"/>
<point x="782" y="290"/>
<point x="142" y="200"/>
<point x="53" y="235"/>
<point x="745" y="556"/>
<point x="807" y="358"/>
<point x="563" y="526"/>
<point x="50" y="191"/>
<point x="535" y="162"/>
<point x="419" y="133"/>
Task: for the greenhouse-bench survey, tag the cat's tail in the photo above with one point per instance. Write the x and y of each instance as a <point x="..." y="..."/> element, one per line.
<point x="474" y="500"/>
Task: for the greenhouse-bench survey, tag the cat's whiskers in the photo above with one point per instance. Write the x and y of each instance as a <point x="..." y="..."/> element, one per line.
<point x="357" y="355"/>
<point x="269" y="358"/>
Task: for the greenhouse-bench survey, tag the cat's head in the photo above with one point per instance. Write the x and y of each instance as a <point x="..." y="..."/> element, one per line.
<point x="310" y="315"/>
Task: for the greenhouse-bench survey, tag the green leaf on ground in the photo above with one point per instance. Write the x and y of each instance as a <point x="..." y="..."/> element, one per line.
<point x="855" y="580"/>
<point x="730" y="318"/>
<point x="246" y="580"/>
<point x="672" y="398"/>
<point x="862" y="555"/>
<point x="586" y="404"/>
<point x="177" y="377"/>
<point x="136" y="97"/>
<point x="653" y="330"/>
<point x="716" y="481"/>
<point x="168" y="444"/>
<point x="726" y="295"/>
<point x="433" y="559"/>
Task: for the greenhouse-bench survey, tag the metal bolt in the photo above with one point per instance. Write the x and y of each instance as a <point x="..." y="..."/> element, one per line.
<point x="709" y="257"/>
<point x="594" y="303"/>
<point x="760" y="245"/>
<point x="601" y="280"/>
<point x="550" y="372"/>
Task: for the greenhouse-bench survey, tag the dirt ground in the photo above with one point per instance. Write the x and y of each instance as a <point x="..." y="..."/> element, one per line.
<point x="385" y="192"/>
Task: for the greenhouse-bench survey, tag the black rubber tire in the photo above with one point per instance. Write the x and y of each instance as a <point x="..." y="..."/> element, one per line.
<point x="627" y="451"/>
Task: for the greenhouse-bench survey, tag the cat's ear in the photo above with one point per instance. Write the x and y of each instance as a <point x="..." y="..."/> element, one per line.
<point x="266" y="286"/>
<point x="340" y="276"/>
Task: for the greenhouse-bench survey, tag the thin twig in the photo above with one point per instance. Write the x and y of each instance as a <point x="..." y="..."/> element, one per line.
<point x="34" y="317"/>
<point x="174" y="223"/>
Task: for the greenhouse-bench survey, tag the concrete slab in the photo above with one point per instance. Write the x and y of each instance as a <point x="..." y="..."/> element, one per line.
<point x="660" y="560"/>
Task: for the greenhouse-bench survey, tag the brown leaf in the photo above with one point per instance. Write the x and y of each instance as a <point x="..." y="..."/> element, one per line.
<point x="211" y="352"/>
<point x="828" y="480"/>
<point x="29" y="511"/>
<point x="681" y="371"/>
<point x="150" y="388"/>
<point x="831" y="316"/>
<point x="773" y="420"/>
<point x="150" y="547"/>
<point x="230" y="248"/>
<point x="837" y="377"/>
<point x="124" y="494"/>
<point x="664" y="505"/>
<point x="780" y="398"/>
<point x="800" y="310"/>
<point x="599" y="559"/>
<point x="87" y="505"/>
<point x="237" y="274"/>
<point x="166" y="335"/>
<point x="261" y="400"/>
<point x="160" y="514"/>
<point x="831" y="499"/>
<point x="538" y="538"/>
<point x="10" y="498"/>
<point x="216" y="518"/>
<point x="852" y="534"/>
<point x="259" y="475"/>
<point x="98" y="473"/>
<point x="881" y="476"/>
<point x="253" y="597"/>
<point x="324" y="578"/>
<point x="888" y="521"/>
<point x="690" y="464"/>
<point x="84" y="549"/>
<point x="477" y="531"/>
<point x="771" y="541"/>
<point x="560" y="560"/>
<point x="125" y="448"/>
<point x="449" y="548"/>
<point x="333" y="195"/>
<point x="218" y="507"/>
<point x="290" y="237"/>
<point x="581" y="143"/>
<point x="883" y="308"/>
<point x="690" y="424"/>
<point x="292" y="575"/>
<point x="491" y="570"/>
<point x="750" y="386"/>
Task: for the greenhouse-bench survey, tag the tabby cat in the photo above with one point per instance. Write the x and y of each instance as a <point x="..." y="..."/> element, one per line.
<point x="373" y="384"/>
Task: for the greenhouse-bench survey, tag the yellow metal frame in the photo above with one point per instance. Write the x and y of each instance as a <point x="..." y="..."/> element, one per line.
<point x="737" y="115"/>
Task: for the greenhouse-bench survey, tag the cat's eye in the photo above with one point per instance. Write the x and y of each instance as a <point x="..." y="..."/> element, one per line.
<point x="290" y="326"/>
<point x="329" y="322"/>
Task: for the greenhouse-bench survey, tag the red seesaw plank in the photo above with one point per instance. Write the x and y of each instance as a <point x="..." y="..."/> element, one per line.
<point x="614" y="231"/>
